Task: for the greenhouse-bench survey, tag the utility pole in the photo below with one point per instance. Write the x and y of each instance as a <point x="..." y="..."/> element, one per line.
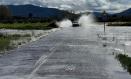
<point x="104" y="18"/>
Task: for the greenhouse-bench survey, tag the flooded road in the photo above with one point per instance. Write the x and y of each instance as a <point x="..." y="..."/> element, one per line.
<point x="69" y="53"/>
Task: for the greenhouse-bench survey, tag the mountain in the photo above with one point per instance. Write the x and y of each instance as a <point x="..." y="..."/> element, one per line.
<point x="125" y="13"/>
<point x="97" y="14"/>
<point x="36" y="11"/>
<point x="122" y="16"/>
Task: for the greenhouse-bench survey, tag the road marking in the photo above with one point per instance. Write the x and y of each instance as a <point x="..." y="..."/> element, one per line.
<point x="43" y="59"/>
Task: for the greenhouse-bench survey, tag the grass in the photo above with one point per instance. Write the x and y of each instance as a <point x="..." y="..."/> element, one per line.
<point x="17" y="36"/>
<point x="25" y="26"/>
<point x="4" y="43"/>
<point x="5" y="40"/>
<point x="125" y="60"/>
<point x="14" y="36"/>
<point x="119" y="24"/>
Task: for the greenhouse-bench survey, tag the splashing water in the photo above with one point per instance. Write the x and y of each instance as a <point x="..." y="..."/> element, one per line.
<point x="64" y="23"/>
<point x="86" y="20"/>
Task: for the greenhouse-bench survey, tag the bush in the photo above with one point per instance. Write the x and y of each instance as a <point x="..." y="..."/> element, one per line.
<point x="4" y="44"/>
<point x="125" y="61"/>
<point x="4" y="11"/>
<point x="27" y="26"/>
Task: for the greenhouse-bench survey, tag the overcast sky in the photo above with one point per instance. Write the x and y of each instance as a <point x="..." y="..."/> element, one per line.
<point x="78" y="5"/>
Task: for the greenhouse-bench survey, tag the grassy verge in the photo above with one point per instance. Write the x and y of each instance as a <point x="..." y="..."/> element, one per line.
<point x="14" y="36"/>
<point x="119" y="24"/>
<point x="4" y="44"/>
<point x="125" y="61"/>
<point x="5" y="41"/>
<point x="26" y="26"/>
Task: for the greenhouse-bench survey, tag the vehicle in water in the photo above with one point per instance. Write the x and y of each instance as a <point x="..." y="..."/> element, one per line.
<point x="75" y="24"/>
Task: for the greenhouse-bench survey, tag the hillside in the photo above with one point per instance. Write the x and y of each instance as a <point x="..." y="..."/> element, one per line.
<point x="122" y="16"/>
<point x="36" y="11"/>
<point x="125" y="13"/>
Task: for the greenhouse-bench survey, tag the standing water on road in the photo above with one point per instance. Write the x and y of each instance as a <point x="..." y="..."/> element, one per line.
<point x="65" y="54"/>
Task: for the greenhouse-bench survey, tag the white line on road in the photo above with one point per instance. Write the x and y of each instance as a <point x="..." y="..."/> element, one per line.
<point x="43" y="59"/>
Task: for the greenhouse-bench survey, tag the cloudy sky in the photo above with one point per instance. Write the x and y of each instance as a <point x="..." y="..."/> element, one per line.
<point x="77" y="5"/>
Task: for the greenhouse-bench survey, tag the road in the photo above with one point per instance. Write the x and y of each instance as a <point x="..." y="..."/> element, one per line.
<point x="69" y="53"/>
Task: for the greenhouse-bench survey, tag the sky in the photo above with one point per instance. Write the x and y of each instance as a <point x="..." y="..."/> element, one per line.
<point x="77" y="5"/>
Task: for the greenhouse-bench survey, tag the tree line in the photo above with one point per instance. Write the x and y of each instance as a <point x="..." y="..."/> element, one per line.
<point x="114" y="18"/>
<point x="4" y="12"/>
<point x="6" y="16"/>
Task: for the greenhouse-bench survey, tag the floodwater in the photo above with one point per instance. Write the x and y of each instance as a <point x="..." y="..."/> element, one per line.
<point x="25" y="36"/>
<point x="69" y="53"/>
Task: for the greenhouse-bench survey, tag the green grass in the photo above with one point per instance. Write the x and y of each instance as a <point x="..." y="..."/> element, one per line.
<point x="4" y="43"/>
<point x="119" y="24"/>
<point x="14" y="36"/>
<point x="5" y="40"/>
<point x="25" y="26"/>
<point x="125" y="60"/>
<point x="17" y="36"/>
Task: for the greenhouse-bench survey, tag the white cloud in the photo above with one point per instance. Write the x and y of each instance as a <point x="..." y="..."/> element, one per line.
<point x="78" y="5"/>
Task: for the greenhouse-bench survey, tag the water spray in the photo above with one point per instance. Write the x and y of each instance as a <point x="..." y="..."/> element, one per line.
<point x="86" y="20"/>
<point x="64" y="23"/>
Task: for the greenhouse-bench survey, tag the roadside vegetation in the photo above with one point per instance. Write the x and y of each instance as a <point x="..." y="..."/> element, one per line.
<point x="119" y="24"/>
<point x="26" y="26"/>
<point x="8" y="21"/>
<point x="125" y="60"/>
<point x="6" y="41"/>
<point x="4" y="44"/>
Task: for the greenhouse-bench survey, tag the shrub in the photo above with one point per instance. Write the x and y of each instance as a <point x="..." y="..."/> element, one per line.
<point x="125" y="60"/>
<point x="4" y="44"/>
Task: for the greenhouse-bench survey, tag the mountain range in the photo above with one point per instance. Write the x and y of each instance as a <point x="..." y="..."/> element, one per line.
<point x="125" y="13"/>
<point x="36" y="11"/>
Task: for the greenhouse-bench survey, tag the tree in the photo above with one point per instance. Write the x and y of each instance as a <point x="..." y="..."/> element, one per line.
<point x="30" y="15"/>
<point x="4" y="11"/>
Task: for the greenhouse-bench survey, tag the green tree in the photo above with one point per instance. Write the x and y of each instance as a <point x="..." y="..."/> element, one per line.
<point x="4" y="11"/>
<point x="30" y="15"/>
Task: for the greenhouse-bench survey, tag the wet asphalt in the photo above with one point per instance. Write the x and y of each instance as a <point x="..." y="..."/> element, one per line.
<point x="68" y="53"/>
